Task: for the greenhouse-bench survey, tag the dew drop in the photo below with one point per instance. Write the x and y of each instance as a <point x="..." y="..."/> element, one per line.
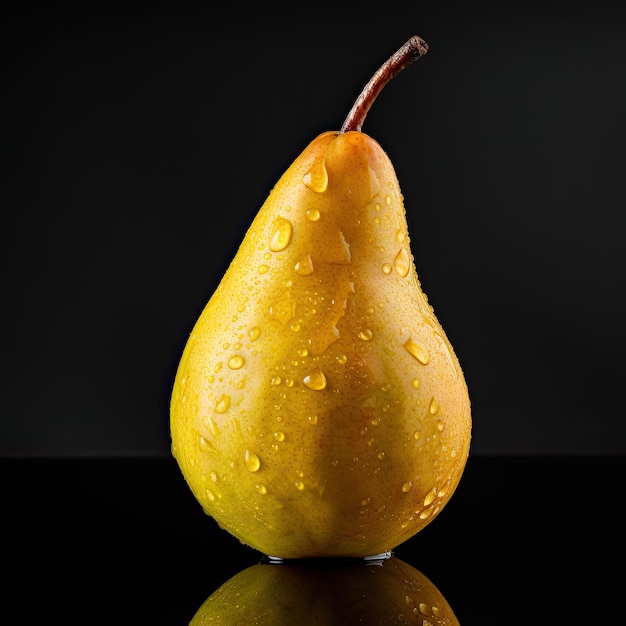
<point x="434" y="406"/>
<point x="218" y="367"/>
<point x="388" y="199"/>
<point x="342" y="359"/>
<point x="303" y="352"/>
<point x="415" y="383"/>
<point x="283" y="310"/>
<point x="263" y="269"/>
<point x="440" y="426"/>
<point x="400" y="236"/>
<point x="407" y="487"/>
<point x="366" y="335"/>
<point x="304" y="267"/>
<point x="299" y="486"/>
<point x="210" y="495"/>
<point x="279" y="435"/>
<point x="387" y="268"/>
<point x="417" y="434"/>
<point x="402" y="262"/>
<point x="312" y="215"/>
<point x="276" y="380"/>
<point x="316" y="178"/>
<point x="236" y="362"/>
<point x="261" y="488"/>
<point x="424" y="609"/>
<point x="282" y="234"/>
<point x="430" y="496"/>
<point x="426" y="514"/>
<point x="213" y="476"/>
<point x="312" y="419"/>
<point x="253" y="463"/>
<point x="315" y="380"/>
<point x="374" y="182"/>
<point x="212" y="426"/>
<point x="254" y="333"/>
<point x="223" y="404"/>
<point x="417" y="350"/>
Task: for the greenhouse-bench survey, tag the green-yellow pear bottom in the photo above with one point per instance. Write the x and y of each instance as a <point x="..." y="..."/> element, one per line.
<point x="319" y="409"/>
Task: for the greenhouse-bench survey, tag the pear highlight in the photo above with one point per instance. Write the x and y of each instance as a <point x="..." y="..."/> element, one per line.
<point x="319" y="409"/>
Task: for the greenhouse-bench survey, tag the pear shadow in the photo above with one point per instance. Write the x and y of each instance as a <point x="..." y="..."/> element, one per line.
<point x="333" y="591"/>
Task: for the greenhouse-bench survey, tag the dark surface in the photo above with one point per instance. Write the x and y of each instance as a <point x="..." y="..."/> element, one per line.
<point x="122" y="541"/>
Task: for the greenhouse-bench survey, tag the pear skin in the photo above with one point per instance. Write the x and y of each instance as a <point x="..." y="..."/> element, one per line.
<point x="319" y="409"/>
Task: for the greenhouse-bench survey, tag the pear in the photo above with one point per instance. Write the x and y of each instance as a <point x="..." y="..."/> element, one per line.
<point x="318" y="408"/>
<point x="388" y="591"/>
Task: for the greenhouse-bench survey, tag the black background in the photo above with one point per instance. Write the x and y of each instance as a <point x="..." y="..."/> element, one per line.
<point x="139" y="142"/>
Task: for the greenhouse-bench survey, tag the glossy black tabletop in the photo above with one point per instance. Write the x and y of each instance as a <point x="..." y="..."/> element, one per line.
<point x="524" y="540"/>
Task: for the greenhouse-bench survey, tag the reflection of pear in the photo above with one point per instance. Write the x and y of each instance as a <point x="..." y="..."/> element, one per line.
<point x="318" y="408"/>
<point x="388" y="591"/>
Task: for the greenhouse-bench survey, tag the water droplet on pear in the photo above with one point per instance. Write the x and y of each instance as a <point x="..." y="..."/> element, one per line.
<point x="253" y="463"/>
<point x="316" y="178"/>
<point x="315" y="380"/>
<point x="417" y="350"/>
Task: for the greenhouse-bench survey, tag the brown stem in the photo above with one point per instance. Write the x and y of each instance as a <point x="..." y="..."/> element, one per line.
<point x="412" y="50"/>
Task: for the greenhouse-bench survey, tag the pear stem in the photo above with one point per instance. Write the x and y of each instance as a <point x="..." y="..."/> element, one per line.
<point x="412" y="50"/>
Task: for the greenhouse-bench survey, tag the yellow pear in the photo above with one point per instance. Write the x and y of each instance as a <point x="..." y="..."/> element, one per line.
<point x="388" y="591"/>
<point x="318" y="408"/>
